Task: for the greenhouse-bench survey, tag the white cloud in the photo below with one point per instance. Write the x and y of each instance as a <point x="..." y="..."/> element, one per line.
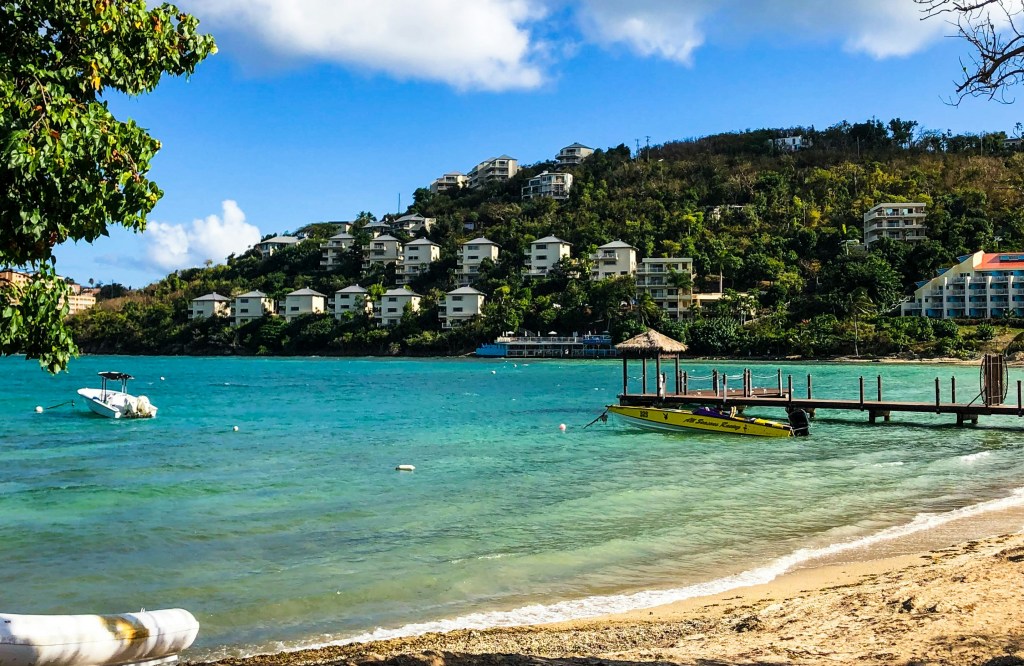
<point x="172" y="246"/>
<point x="661" y="28"/>
<point x="480" y="44"/>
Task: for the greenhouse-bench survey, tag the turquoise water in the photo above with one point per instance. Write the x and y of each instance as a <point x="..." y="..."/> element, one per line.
<point x="296" y="530"/>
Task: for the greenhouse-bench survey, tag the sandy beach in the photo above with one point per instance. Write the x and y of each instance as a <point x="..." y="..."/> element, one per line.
<point x="954" y="605"/>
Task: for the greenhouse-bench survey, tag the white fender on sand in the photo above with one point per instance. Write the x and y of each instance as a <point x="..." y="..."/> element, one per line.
<point x="146" y="637"/>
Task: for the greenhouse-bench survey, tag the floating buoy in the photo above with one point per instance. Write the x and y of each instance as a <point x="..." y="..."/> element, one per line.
<point x="39" y="409"/>
<point x="561" y="427"/>
<point x="494" y="372"/>
<point x="235" y="429"/>
<point x="405" y="468"/>
<point x="161" y="378"/>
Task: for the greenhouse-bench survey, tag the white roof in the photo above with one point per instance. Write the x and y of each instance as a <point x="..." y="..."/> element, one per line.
<point x="577" y="145"/>
<point x="466" y="290"/>
<point x="480" y="241"/>
<point x="252" y="294"/>
<point x="351" y="289"/>
<point x="422" y="241"/>
<point x="551" y="239"/>
<point x="398" y="291"/>
<point x="306" y="292"/>
<point x="281" y="239"/>
<point x="342" y="236"/>
<point x="411" y="216"/>
<point x="386" y="237"/>
<point x="616" y="244"/>
<point x="376" y="223"/>
<point x="212" y="297"/>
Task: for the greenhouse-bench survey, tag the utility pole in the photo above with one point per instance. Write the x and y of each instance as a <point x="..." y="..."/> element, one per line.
<point x="648" y="136"/>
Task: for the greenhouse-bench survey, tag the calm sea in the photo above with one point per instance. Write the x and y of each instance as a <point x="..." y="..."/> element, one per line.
<point x="296" y="529"/>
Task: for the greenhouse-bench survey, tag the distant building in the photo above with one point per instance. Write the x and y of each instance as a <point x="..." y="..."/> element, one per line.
<point x="377" y="228"/>
<point x="544" y="253"/>
<point x="791" y="144"/>
<point x="655" y="277"/>
<point x="302" y="302"/>
<point x="334" y="248"/>
<point x="573" y="155"/>
<point x="493" y="170"/>
<point x="982" y="286"/>
<point x="449" y="181"/>
<point x="471" y="255"/>
<point x="80" y="300"/>
<point x="354" y="299"/>
<point x="272" y="245"/>
<point x="392" y="305"/>
<point x="547" y="184"/>
<point x="383" y="250"/>
<point x="14" y="277"/>
<point x="1014" y="143"/>
<point x="459" y="306"/>
<point x="210" y="305"/>
<point x="252" y="305"/>
<point x="613" y="259"/>
<point x="899" y="221"/>
<point x="413" y="224"/>
<point x="417" y="256"/>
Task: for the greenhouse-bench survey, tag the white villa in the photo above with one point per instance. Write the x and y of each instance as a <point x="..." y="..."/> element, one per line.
<point x="459" y="306"/>
<point x="471" y="256"/>
<point x="553" y="185"/>
<point x="352" y="299"/>
<point x="304" y="301"/>
<point x="334" y="248"/>
<point x="545" y="253"/>
<point x="983" y="285"/>
<point x="654" y="276"/>
<point x="384" y="249"/>
<point x="418" y="255"/>
<point x="377" y="228"/>
<point x="252" y="305"/>
<point x="413" y="224"/>
<point x="272" y="245"/>
<point x="493" y="169"/>
<point x="899" y="221"/>
<point x="454" y="180"/>
<point x="392" y="305"/>
<point x="210" y="305"/>
<point x="791" y="144"/>
<point x="573" y="155"/>
<point x="612" y="259"/>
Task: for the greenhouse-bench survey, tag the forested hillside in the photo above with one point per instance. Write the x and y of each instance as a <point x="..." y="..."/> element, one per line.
<point x="781" y="228"/>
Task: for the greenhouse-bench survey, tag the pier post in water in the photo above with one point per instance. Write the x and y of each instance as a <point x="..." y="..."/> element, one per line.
<point x="686" y="382"/>
<point x="644" y="377"/>
<point x="1020" y="407"/>
<point x="714" y="380"/>
<point x="808" y="386"/>
<point x="879" y="388"/>
<point x="677" y="375"/>
<point x="789" y="391"/>
<point x="862" y="392"/>
<point x="779" y="374"/>
<point x="625" y="376"/>
<point x="938" y="401"/>
<point x="952" y="386"/>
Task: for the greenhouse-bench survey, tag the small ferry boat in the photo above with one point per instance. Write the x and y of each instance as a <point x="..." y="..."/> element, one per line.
<point x="117" y="404"/>
<point x="701" y="418"/>
<point x="549" y="346"/>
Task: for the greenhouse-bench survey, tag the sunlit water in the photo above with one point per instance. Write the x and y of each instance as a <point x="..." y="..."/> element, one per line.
<point x="297" y="530"/>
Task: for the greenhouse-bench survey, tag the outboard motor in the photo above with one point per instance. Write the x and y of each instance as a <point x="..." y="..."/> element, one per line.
<point x="799" y="422"/>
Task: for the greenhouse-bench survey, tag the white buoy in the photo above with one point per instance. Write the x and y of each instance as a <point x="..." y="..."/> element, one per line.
<point x="235" y="429"/>
<point x="561" y="426"/>
<point x="494" y="372"/>
<point x="405" y="468"/>
<point x="161" y="378"/>
<point x="39" y="409"/>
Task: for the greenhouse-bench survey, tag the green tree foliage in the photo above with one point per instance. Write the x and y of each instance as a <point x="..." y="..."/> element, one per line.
<point x="68" y="168"/>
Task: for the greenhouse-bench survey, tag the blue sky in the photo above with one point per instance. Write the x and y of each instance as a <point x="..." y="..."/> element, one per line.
<point x="315" y="110"/>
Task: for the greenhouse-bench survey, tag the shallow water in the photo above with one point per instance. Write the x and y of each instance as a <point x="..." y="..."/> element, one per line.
<point x="296" y="530"/>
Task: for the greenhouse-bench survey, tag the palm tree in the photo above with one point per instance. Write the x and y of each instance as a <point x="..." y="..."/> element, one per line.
<point x="859" y="305"/>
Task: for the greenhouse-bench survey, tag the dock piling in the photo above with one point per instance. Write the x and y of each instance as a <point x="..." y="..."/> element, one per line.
<point x="1020" y="410"/>
<point x="686" y="382"/>
<point x="862" y="392"/>
<point x="952" y="388"/>
<point x="779" y="373"/>
<point x="725" y="388"/>
<point x="789" y="393"/>
<point x="938" y="400"/>
<point x="879" y="388"/>
<point x="808" y="386"/>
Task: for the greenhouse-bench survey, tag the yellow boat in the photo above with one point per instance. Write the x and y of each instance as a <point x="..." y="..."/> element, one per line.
<point x="702" y="418"/>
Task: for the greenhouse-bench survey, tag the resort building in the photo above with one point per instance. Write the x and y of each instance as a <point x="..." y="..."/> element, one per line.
<point x="544" y="254"/>
<point x="334" y="248"/>
<point x="14" y="277"/>
<point x="791" y="144"/>
<point x="612" y="259"/>
<point x="493" y="170"/>
<point x="471" y="255"/>
<point x="982" y="286"/>
<point x="392" y="305"/>
<point x="251" y="306"/>
<point x="377" y="228"/>
<point x="899" y="221"/>
<point x="344" y="226"/>
<point x="383" y="250"/>
<point x="79" y="299"/>
<point x="573" y="155"/>
<point x="302" y="302"/>
<point x="272" y="245"/>
<point x="658" y="277"/>
<point x="547" y="184"/>
<point x="460" y="305"/>
<point x="450" y="181"/>
<point x="416" y="259"/>
<point x="210" y="305"/>
<point x="354" y="299"/>
<point x="413" y="224"/>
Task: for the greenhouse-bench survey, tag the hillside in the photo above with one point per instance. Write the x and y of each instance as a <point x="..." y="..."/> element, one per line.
<point x="768" y="224"/>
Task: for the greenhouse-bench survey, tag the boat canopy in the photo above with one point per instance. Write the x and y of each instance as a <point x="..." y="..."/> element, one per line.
<point x="116" y="376"/>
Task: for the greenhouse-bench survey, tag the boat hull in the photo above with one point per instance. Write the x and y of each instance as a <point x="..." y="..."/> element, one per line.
<point x="681" y="420"/>
<point x="116" y="404"/>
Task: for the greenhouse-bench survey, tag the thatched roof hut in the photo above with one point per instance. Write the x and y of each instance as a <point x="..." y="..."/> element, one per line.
<point x="650" y="344"/>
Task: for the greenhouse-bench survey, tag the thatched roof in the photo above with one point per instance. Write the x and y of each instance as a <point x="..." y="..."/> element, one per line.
<point x="650" y="344"/>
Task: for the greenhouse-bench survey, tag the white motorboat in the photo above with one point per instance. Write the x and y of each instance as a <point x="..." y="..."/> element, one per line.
<point x="117" y="404"/>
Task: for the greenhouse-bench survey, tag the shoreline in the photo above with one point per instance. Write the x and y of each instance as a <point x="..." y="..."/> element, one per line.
<point x="898" y="599"/>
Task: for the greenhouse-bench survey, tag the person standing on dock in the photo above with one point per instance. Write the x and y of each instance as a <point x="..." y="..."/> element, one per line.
<point x="661" y="386"/>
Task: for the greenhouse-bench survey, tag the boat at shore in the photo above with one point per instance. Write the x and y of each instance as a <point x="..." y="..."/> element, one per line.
<point x="701" y="418"/>
<point x="117" y="404"/>
<point x="549" y="346"/>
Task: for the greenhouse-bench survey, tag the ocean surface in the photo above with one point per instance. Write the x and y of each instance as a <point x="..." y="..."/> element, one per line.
<point x="296" y="530"/>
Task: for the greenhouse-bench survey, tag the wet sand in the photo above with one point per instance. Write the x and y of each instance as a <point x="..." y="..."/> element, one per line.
<point x="962" y="604"/>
